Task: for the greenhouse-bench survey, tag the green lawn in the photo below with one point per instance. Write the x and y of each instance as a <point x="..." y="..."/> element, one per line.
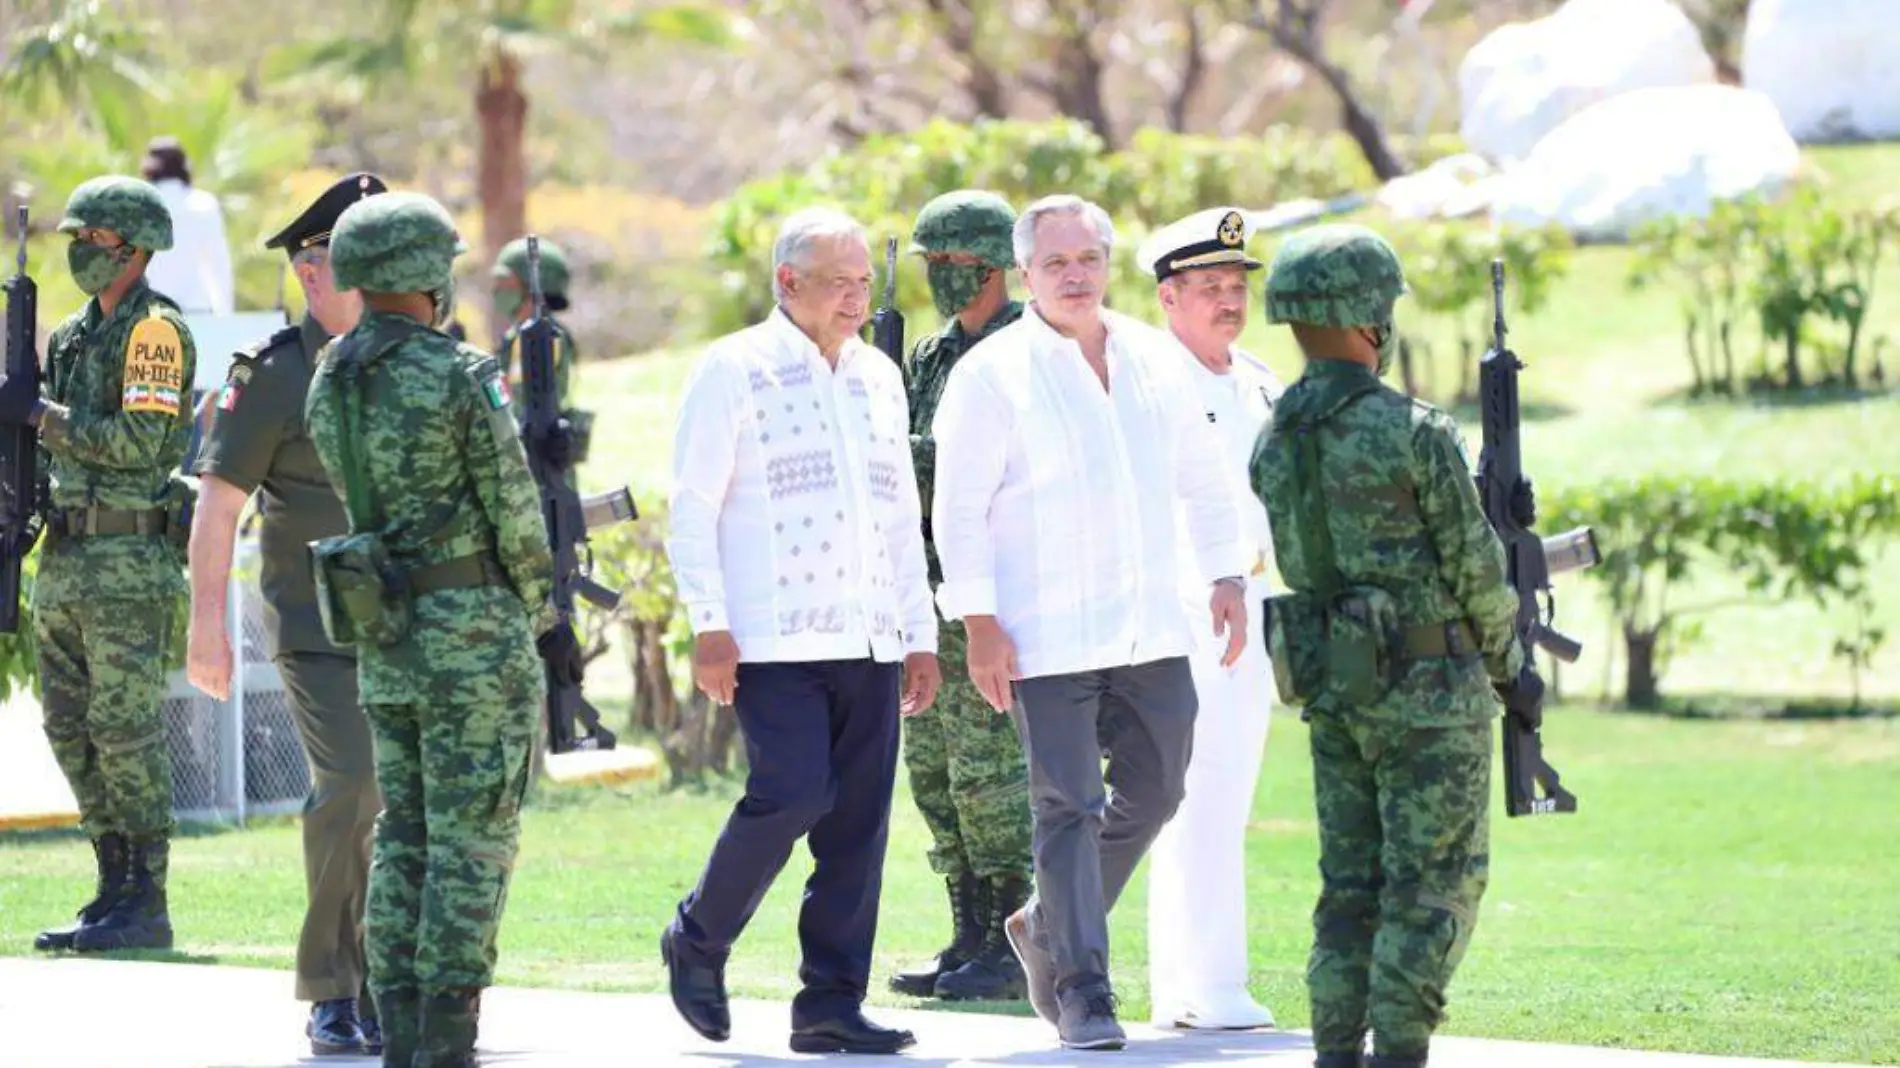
<point x="1728" y="887"/>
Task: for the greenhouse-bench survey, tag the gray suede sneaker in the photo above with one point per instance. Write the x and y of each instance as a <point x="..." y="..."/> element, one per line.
<point x="1039" y="968"/>
<point x="1088" y="1019"/>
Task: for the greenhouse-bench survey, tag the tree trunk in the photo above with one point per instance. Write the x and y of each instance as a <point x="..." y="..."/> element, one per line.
<point x="1695" y="363"/>
<point x="501" y="168"/>
<point x="1642" y="689"/>
<point x="1193" y="72"/>
<point x="1361" y="125"/>
<point x="1794" y="356"/>
<point x="1078" y="87"/>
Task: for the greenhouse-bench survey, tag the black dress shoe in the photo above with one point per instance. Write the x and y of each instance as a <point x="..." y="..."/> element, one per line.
<point x="699" y="993"/>
<point x="333" y="1029"/>
<point x="850" y="1034"/>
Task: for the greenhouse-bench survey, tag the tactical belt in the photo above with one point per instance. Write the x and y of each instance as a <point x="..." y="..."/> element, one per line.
<point x="88" y="522"/>
<point x="461" y="573"/>
<point x="1453" y="637"/>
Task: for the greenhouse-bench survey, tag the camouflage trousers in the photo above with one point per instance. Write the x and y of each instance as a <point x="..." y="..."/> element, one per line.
<point x="102" y="673"/>
<point x="452" y="778"/>
<point x="1404" y="857"/>
<point x="967" y="775"/>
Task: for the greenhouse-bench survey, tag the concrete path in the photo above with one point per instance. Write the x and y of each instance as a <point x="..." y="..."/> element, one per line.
<point x="205" y="1016"/>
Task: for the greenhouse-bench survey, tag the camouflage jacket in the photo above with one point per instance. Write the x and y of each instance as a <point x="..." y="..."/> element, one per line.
<point x="925" y="373"/>
<point x="1404" y="516"/>
<point x="447" y="478"/>
<point x="123" y="384"/>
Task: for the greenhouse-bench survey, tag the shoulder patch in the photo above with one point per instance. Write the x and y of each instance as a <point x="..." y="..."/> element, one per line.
<point x="154" y="366"/>
<point x="486" y="372"/>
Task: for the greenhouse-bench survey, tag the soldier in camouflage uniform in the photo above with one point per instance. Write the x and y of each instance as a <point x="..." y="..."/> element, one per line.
<point x="967" y="772"/>
<point x="113" y="424"/>
<point x="415" y="434"/>
<point x="1379" y="534"/>
<point x="509" y="278"/>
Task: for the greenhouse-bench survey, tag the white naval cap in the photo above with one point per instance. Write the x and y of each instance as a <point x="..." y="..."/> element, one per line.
<point x="1208" y="238"/>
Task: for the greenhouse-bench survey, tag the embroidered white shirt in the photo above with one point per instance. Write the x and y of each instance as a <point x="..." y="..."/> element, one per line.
<point x="196" y="271"/>
<point x="1238" y="406"/>
<point x="795" y="520"/>
<point x="1054" y="501"/>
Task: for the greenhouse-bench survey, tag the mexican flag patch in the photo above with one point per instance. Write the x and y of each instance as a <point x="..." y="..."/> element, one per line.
<point x="496" y="390"/>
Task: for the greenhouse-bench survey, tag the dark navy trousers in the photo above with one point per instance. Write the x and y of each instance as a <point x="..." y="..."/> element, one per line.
<point x="821" y="738"/>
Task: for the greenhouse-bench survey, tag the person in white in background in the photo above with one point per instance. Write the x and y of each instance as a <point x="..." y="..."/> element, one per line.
<point x="797" y="546"/>
<point x="196" y="271"/>
<point x="1197" y="871"/>
<point x="1063" y="442"/>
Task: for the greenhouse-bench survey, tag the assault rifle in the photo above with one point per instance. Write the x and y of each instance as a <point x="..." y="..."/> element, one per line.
<point x="1528" y="561"/>
<point x="887" y="324"/>
<point x="20" y="490"/>
<point x="568" y="517"/>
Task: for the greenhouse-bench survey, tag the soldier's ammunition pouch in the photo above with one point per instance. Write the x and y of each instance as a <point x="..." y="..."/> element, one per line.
<point x="181" y="503"/>
<point x="1353" y="650"/>
<point x="1365" y="646"/>
<point x="362" y="596"/>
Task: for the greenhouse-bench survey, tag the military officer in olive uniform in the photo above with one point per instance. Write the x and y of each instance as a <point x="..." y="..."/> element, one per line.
<point x="415" y="434"/>
<point x="256" y="442"/>
<point x="967" y="773"/>
<point x="113" y="423"/>
<point x="509" y="289"/>
<point x="1397" y="638"/>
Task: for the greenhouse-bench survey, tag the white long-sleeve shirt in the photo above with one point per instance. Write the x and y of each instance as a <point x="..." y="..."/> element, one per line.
<point x="196" y="271"/>
<point x="1239" y="404"/>
<point x="795" y="521"/>
<point x="1054" y="506"/>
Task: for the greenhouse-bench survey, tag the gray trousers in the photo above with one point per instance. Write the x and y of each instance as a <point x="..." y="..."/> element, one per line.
<point x="1092" y="828"/>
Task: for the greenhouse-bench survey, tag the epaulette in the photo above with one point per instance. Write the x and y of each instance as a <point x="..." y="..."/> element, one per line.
<point x="257" y="348"/>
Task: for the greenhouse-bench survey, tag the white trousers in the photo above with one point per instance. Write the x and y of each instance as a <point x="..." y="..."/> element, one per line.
<point x="1197" y="872"/>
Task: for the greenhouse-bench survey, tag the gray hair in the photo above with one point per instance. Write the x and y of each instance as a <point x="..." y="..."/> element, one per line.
<point x="800" y="231"/>
<point x="1023" y="237"/>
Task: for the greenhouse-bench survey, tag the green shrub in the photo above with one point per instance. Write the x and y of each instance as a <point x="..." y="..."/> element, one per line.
<point x="1784" y="540"/>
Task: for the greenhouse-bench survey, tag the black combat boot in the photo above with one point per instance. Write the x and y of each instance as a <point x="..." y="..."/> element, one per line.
<point x="399" y="1018"/>
<point x="447" y="1037"/>
<point x="1339" y="1060"/>
<point x="108" y="853"/>
<point x="139" y="919"/>
<point x="368" y="1023"/>
<point x="992" y="973"/>
<point x="1389" y="1060"/>
<point x="967" y="911"/>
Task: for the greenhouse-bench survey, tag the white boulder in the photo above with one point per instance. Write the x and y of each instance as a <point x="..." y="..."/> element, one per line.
<point x="1831" y="66"/>
<point x="1647" y="154"/>
<point x="1524" y="79"/>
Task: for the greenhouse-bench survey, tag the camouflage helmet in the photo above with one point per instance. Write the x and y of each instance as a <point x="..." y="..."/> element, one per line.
<point x="968" y="220"/>
<point x="395" y="243"/>
<point x="129" y="207"/>
<point x="1336" y="274"/>
<point x="514" y="261"/>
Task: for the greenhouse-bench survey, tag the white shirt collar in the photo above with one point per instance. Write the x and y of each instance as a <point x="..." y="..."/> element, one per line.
<point x="789" y="334"/>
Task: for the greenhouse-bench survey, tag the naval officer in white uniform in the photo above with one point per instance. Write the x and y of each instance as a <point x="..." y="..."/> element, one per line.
<point x="1197" y="894"/>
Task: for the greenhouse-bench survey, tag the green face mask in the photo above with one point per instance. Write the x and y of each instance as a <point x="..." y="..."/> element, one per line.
<point x="954" y="285"/>
<point x="444" y="299"/>
<point x="508" y="302"/>
<point x="93" y="267"/>
<point x="1388" y="346"/>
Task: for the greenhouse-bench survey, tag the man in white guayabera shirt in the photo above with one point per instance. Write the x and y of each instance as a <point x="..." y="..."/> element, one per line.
<point x="1197" y="890"/>
<point x="797" y="546"/>
<point x="1063" y="443"/>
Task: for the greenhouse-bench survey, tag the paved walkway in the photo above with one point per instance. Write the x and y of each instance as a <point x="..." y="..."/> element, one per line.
<point x="205" y="1016"/>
